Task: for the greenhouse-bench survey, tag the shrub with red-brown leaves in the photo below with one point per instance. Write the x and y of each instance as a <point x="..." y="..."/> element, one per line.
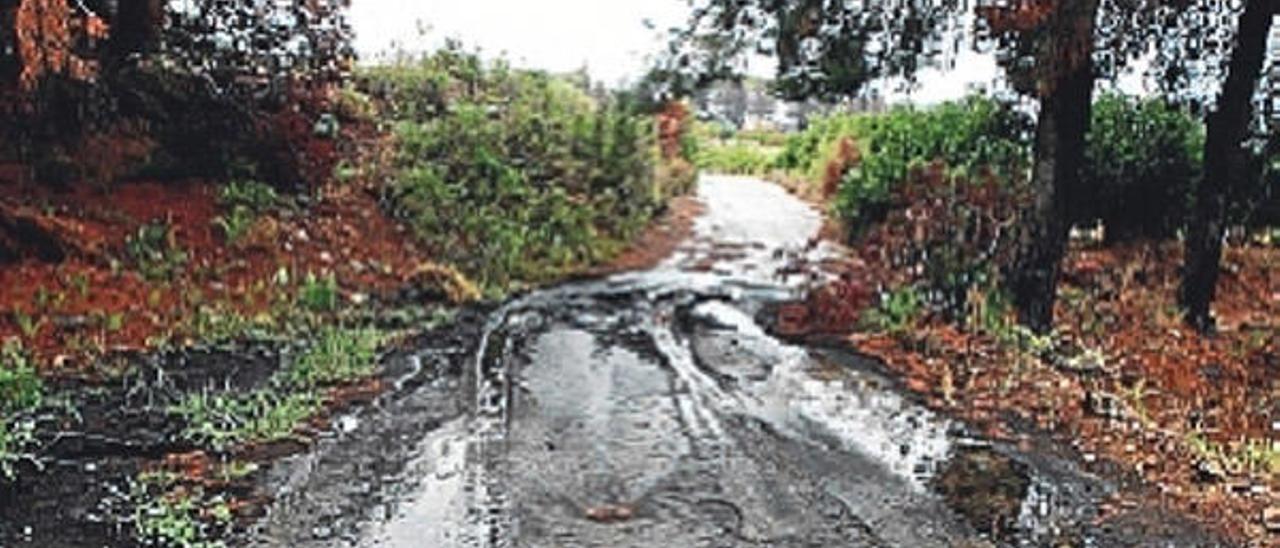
<point x="945" y="237"/>
<point x="673" y="126"/>
<point x="845" y="156"/>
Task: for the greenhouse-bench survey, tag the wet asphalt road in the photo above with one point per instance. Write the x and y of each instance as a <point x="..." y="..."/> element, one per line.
<point x="651" y="409"/>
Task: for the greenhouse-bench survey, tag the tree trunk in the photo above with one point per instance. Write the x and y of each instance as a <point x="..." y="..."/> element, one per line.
<point x="10" y="61"/>
<point x="135" y="28"/>
<point x="1066" y="105"/>
<point x="1225" y="163"/>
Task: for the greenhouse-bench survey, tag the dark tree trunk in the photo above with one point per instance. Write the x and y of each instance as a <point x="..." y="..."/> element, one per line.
<point x="10" y="63"/>
<point x="135" y="28"/>
<point x="1066" y="105"/>
<point x="1226" y="163"/>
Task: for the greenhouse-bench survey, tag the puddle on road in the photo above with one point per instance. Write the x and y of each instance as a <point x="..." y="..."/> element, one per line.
<point x="750" y="231"/>
<point x="601" y="416"/>
<point x="813" y="400"/>
<point x="435" y="515"/>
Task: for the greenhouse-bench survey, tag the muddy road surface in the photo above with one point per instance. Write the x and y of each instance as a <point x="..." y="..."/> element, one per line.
<point x="656" y="409"/>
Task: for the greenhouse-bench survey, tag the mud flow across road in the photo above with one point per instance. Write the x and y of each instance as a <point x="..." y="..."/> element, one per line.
<point x="653" y="409"/>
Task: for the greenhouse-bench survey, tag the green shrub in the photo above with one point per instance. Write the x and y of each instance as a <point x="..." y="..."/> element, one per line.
<point x="514" y="175"/>
<point x="735" y="158"/>
<point x="802" y="151"/>
<point x="354" y="106"/>
<point x="1142" y="163"/>
<point x="969" y="137"/>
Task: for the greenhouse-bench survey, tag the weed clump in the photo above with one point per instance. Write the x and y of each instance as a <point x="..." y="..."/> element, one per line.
<point x="338" y="355"/>
<point x="273" y="413"/>
<point x="21" y="392"/>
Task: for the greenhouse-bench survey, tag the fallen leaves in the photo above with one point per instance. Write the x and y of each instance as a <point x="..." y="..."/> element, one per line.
<point x="1122" y="380"/>
<point x="610" y="513"/>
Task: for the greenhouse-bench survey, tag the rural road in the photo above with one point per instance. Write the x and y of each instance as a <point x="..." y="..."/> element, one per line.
<point x="653" y="409"/>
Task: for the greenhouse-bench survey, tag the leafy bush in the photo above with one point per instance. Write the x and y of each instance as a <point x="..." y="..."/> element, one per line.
<point x="1142" y="162"/>
<point x="803" y="151"/>
<point x="735" y="158"/>
<point x="679" y="141"/>
<point x="1141" y="166"/>
<point x="976" y="136"/>
<point x="514" y="175"/>
<point x="971" y="137"/>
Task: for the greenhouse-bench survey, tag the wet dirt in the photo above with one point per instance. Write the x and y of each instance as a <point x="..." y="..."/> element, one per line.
<point x="97" y="435"/>
<point x="655" y="408"/>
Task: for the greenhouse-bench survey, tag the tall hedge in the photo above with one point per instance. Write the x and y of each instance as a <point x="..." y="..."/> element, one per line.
<point x="1143" y="159"/>
<point x="515" y="175"/>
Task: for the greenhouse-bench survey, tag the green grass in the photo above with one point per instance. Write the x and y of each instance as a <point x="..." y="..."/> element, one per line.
<point x="255" y="196"/>
<point x="154" y="252"/>
<point x="235" y="223"/>
<point x="1255" y="456"/>
<point x="897" y="313"/>
<point x="222" y="421"/>
<point x="319" y="293"/>
<point x="21" y="392"/>
<point x="242" y="203"/>
<point x="16" y="436"/>
<point x="20" y="387"/>
<point x="166" y="514"/>
<point x="338" y="355"/>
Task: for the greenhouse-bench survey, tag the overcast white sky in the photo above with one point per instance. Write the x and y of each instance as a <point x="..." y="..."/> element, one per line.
<point x="608" y="36"/>
<point x="556" y="35"/>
